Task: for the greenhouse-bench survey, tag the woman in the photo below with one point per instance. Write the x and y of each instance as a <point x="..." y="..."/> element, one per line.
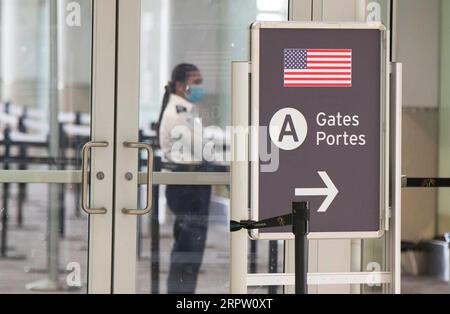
<point x="180" y="126"/>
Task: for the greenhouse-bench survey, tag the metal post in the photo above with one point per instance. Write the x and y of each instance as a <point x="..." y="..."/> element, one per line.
<point x="22" y="166"/>
<point x="62" y="210"/>
<point x="239" y="177"/>
<point x="394" y="233"/>
<point x="273" y="263"/>
<point x="61" y="187"/>
<point x="77" y="188"/>
<point x="78" y="144"/>
<point x="139" y="230"/>
<point x="51" y="283"/>
<point x="300" y="228"/>
<point x="4" y="248"/>
<point x="253" y="254"/>
<point x="4" y="243"/>
<point x="155" y="238"/>
<point x="22" y="188"/>
<point x="449" y="267"/>
<point x="355" y="262"/>
<point x="53" y="219"/>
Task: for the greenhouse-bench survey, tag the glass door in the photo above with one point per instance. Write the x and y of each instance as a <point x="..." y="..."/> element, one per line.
<point x="176" y="55"/>
<point x="171" y="197"/>
<point x="56" y="143"/>
<point x="369" y="255"/>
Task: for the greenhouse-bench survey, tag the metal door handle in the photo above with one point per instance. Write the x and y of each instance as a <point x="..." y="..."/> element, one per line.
<point x="85" y="178"/>
<point x="148" y="207"/>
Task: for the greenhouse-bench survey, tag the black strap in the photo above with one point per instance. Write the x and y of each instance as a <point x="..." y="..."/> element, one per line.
<point x="428" y="182"/>
<point x="280" y="221"/>
<point x="203" y="167"/>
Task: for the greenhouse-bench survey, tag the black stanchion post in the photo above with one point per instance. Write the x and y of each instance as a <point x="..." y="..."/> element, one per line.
<point x="22" y="166"/>
<point x="61" y="187"/>
<point x="77" y="118"/>
<point x="300" y="228"/>
<point x="77" y="145"/>
<point x="22" y="190"/>
<point x="155" y="239"/>
<point x="253" y="257"/>
<point x="273" y="262"/>
<point x="4" y="211"/>
<point x="77" y="187"/>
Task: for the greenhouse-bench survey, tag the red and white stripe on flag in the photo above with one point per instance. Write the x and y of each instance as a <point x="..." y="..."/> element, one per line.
<point x="319" y="68"/>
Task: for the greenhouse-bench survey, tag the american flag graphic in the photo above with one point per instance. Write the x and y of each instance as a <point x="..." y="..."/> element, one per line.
<point x="317" y="68"/>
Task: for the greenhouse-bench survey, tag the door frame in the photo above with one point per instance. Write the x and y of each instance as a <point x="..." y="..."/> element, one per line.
<point x="102" y="129"/>
<point x="124" y="263"/>
<point x="127" y="130"/>
<point x="100" y="229"/>
<point x="126" y="159"/>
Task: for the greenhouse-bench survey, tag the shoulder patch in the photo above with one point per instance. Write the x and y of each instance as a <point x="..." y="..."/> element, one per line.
<point x="181" y="109"/>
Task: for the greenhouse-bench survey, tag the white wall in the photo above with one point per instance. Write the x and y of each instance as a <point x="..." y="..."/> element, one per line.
<point x="418" y="48"/>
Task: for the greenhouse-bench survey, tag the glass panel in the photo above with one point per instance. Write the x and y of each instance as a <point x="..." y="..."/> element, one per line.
<point x="207" y="35"/>
<point x="423" y="31"/>
<point x="375" y="252"/>
<point x="379" y="11"/>
<point x="44" y="121"/>
<point x="265" y="257"/>
<point x="198" y="215"/>
<point x="24" y="265"/>
<point x="357" y="10"/>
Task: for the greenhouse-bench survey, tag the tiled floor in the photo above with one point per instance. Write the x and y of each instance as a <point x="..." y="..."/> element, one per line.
<point x="424" y="285"/>
<point x="30" y="242"/>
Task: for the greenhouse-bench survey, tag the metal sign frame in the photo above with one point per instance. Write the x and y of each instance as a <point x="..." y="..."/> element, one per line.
<point x="384" y="128"/>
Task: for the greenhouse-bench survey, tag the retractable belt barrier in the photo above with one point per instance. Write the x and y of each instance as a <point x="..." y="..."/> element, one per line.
<point x="281" y="221"/>
<point x="426" y="182"/>
<point x="299" y="219"/>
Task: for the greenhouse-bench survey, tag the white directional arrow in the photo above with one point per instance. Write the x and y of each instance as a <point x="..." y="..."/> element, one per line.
<point x="330" y="192"/>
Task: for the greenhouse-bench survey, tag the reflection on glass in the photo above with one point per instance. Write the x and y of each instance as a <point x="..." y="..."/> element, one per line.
<point x="376" y="252"/>
<point x="175" y="268"/>
<point x="379" y="11"/>
<point x="44" y="121"/>
<point x="24" y="263"/>
<point x="208" y="35"/>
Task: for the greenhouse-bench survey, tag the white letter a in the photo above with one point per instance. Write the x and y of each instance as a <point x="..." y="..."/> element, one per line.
<point x="74" y="17"/>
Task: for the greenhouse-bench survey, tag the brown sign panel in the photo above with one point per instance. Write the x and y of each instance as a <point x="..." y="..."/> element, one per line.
<point x="318" y="97"/>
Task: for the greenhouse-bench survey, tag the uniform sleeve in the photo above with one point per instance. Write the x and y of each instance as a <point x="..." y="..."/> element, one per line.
<point x="188" y="129"/>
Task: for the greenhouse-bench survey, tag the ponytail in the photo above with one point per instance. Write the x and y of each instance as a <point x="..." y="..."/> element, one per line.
<point x="169" y="90"/>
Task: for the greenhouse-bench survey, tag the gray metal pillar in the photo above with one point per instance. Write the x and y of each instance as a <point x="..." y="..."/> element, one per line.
<point x="53" y="223"/>
<point x="239" y="178"/>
